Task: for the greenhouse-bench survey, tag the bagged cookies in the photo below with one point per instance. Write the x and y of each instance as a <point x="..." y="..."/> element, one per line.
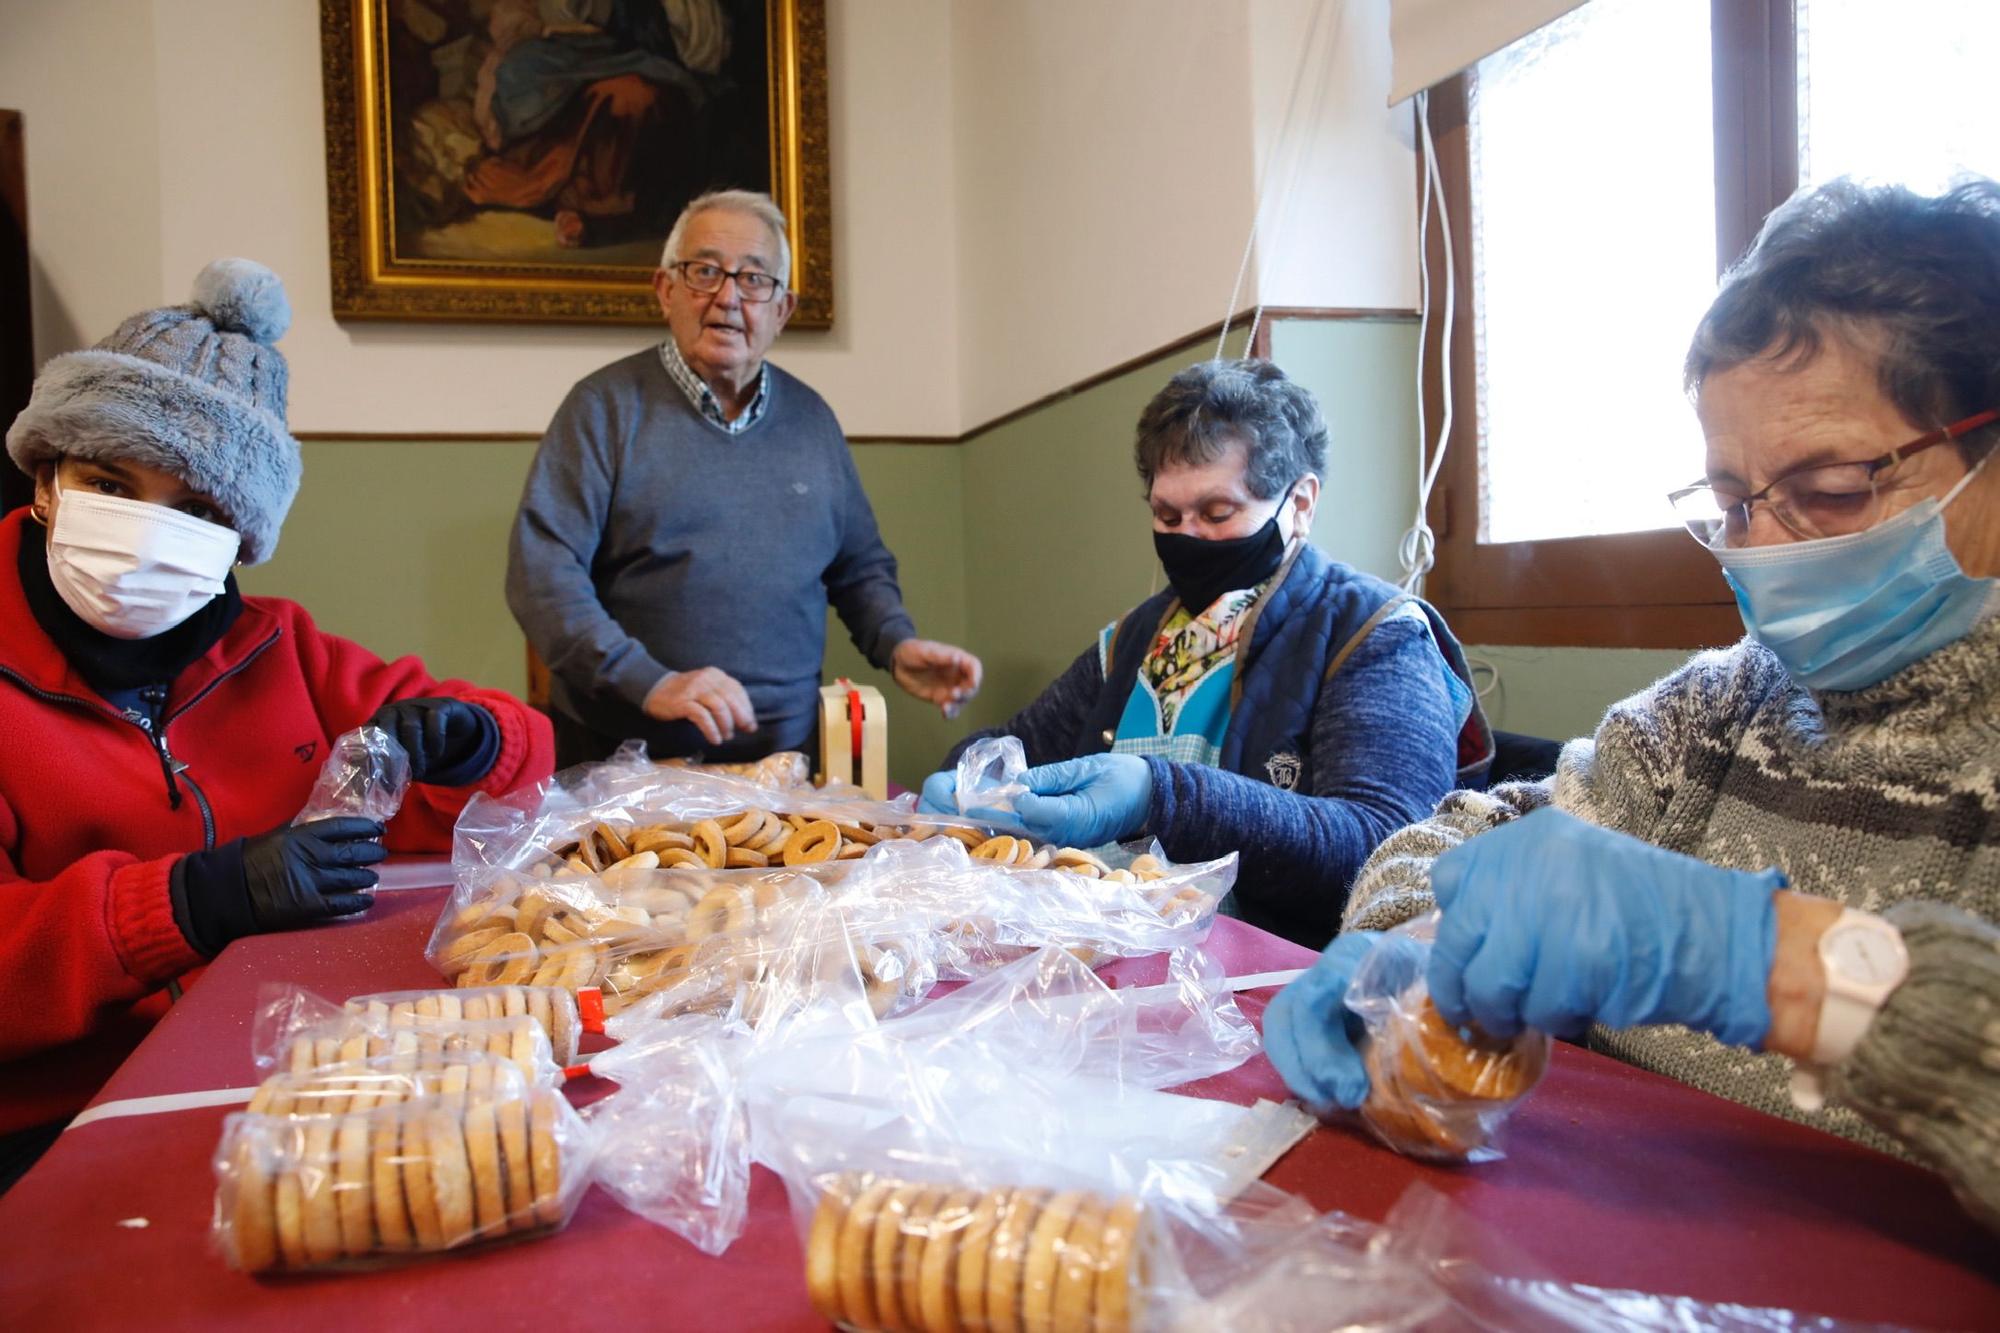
<point x="429" y="1174"/>
<point x="297" y="1031"/>
<point x="1435" y="1091"/>
<point x="887" y="1252"/>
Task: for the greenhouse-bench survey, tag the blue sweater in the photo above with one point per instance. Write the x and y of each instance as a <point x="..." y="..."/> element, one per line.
<point x="1373" y="748"/>
<point x="650" y="540"/>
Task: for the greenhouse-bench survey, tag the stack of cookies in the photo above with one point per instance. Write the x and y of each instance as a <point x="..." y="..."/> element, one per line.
<point x="414" y="1121"/>
<point x="301" y="1191"/>
<point x="896" y="1254"/>
<point x="1437" y="1092"/>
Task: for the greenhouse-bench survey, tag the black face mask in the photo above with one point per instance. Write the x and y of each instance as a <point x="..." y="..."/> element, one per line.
<point x="1201" y="571"/>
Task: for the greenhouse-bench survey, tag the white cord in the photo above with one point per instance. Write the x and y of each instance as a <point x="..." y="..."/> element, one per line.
<point x="1284" y="140"/>
<point x="1417" y="552"/>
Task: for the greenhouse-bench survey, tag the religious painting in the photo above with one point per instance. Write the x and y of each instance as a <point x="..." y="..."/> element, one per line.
<point x="525" y="159"/>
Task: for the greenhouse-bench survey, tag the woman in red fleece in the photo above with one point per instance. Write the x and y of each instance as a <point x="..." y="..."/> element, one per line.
<point x="158" y="731"/>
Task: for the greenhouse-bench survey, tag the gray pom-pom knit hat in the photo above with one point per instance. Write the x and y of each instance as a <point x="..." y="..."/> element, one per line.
<point x="197" y="390"/>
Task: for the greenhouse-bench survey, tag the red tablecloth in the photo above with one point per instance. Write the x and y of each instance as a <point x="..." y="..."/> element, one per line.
<point x="1614" y="1177"/>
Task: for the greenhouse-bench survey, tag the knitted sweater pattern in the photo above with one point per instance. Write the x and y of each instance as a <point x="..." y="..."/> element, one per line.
<point x="1877" y="798"/>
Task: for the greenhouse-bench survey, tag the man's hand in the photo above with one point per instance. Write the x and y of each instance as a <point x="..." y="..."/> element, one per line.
<point x="936" y="673"/>
<point x="710" y="698"/>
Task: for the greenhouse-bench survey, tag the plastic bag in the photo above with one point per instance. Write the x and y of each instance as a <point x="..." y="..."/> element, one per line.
<point x="675" y="1137"/>
<point x="989" y="775"/>
<point x="430" y="1174"/>
<point x="1429" y="1267"/>
<point x="366" y="773"/>
<point x="297" y="1031"/>
<point x="785" y="768"/>
<point x="1435" y="1092"/>
<point x="554" y="1009"/>
<point x="1039" y="1063"/>
<point x="386" y="1080"/>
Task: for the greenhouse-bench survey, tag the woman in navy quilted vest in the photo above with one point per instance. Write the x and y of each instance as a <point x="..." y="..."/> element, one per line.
<point x="1271" y="701"/>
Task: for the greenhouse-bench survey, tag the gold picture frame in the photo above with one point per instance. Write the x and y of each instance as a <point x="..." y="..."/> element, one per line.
<point x="438" y="209"/>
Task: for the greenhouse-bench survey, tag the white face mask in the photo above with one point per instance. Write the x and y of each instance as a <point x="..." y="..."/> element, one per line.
<point x="134" y="569"/>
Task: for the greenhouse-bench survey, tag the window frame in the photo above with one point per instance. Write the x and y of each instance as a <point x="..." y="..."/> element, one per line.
<point x="1654" y="589"/>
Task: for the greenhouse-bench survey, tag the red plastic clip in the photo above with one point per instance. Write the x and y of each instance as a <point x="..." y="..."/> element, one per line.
<point x="577" y="1071"/>
<point x="590" y="1008"/>
<point x="854" y="714"/>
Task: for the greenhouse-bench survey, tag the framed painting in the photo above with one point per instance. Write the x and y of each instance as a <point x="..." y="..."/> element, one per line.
<point x="524" y="159"/>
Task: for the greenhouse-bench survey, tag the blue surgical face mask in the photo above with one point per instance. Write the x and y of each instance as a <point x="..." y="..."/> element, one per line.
<point x="1844" y="613"/>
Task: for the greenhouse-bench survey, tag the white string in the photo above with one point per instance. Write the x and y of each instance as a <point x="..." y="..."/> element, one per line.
<point x="1417" y="552"/>
<point x="1285" y="139"/>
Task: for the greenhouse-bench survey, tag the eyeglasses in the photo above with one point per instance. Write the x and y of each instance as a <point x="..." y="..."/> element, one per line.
<point x="1831" y="500"/>
<point x="707" y="278"/>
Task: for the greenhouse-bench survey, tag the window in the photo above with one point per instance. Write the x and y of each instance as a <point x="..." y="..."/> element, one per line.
<point x="1599" y="173"/>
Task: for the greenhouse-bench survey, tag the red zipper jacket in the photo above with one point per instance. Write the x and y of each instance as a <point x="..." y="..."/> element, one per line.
<point x="88" y="832"/>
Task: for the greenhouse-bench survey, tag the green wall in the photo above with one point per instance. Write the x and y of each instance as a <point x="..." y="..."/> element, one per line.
<point x="1020" y="545"/>
<point x="402" y="546"/>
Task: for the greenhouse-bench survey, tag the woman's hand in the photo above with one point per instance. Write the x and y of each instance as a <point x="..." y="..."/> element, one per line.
<point x="1086" y="802"/>
<point x="1553" y="923"/>
<point x="1311" y="1035"/>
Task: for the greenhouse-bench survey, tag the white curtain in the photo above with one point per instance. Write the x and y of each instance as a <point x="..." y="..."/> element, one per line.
<point x="1435" y="39"/>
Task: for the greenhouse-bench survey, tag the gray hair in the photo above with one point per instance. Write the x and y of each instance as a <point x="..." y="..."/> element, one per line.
<point x="1212" y="406"/>
<point x="1912" y="279"/>
<point x="757" y="205"/>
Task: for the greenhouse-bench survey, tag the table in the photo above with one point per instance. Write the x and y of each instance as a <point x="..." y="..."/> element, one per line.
<point x="1614" y="1177"/>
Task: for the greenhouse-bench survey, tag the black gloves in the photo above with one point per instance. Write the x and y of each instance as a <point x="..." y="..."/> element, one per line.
<point x="451" y="743"/>
<point x="287" y="877"/>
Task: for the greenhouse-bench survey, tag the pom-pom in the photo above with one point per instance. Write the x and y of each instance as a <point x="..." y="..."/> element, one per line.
<point x="244" y="296"/>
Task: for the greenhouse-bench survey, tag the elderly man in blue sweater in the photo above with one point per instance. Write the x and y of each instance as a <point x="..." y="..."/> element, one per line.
<point x="1270" y="701"/>
<point x="689" y="516"/>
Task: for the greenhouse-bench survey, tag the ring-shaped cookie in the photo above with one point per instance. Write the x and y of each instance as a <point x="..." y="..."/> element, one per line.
<point x="709" y="843"/>
<point x="816" y="841"/>
<point x="506" y="961"/>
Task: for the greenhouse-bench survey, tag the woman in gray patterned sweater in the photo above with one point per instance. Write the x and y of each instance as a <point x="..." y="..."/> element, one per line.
<point x="1780" y="865"/>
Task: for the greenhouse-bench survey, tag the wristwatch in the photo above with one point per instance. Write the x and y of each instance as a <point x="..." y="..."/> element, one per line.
<point x="1864" y="961"/>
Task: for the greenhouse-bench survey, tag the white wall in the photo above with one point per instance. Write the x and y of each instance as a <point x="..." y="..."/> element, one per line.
<point x="1026" y="192"/>
<point x="164" y="134"/>
<point x="86" y="85"/>
<point x="1336" y="165"/>
<point x="1104" y="184"/>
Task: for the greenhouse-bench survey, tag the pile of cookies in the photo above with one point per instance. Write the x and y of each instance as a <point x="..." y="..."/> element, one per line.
<point x="1437" y="1093"/>
<point x="786" y="768"/>
<point x="894" y="1254"/>
<point x="629" y="908"/>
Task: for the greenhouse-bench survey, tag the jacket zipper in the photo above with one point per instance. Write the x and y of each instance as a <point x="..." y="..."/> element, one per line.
<point x="170" y="767"/>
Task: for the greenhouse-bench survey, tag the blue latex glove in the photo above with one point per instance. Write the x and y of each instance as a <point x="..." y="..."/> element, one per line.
<point x="1086" y="802"/>
<point x="940" y="795"/>
<point x="1311" y="1035"/>
<point x="1553" y="923"/>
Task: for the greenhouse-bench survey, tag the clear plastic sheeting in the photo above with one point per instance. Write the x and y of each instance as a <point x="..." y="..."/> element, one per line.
<point x="1038" y="1063"/>
<point x="676" y="1137"/>
<point x="366" y="773"/>
<point x="1435" y="1091"/>
<point x="1428" y="1267"/>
